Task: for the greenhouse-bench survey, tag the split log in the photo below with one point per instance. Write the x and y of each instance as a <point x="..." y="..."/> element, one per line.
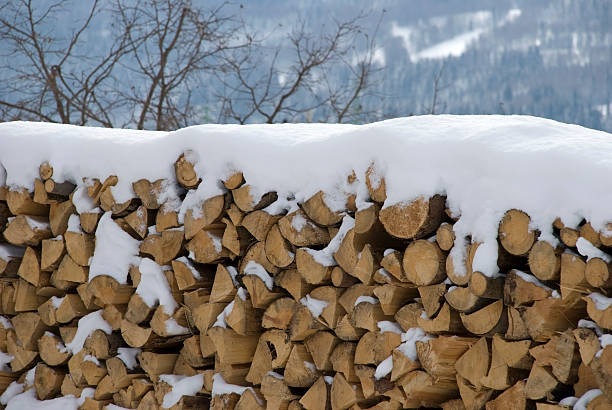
<point x="447" y="320"/>
<point x="47" y="381"/>
<point x="588" y="344"/>
<point x="393" y="297"/>
<point x="89" y="221"/>
<point x="138" y="220"/>
<point x="164" y="247"/>
<point x="569" y="236"/>
<point x="299" y="230"/>
<point x="598" y="273"/>
<point x="313" y="271"/>
<point x="346" y="331"/>
<point x="550" y="316"/>
<point x="515" y="235"/>
<point x="599" y="308"/>
<point x="439" y="356"/>
<point x="300" y="370"/>
<point x="343" y="395"/>
<point x="374" y="347"/>
<point x="317" y="396"/>
<point x="573" y="280"/>
<point x="445" y="236"/>
<point x="243" y="198"/>
<point x="517" y="330"/>
<point x="320" y="346"/>
<point x="137" y="310"/>
<point x="473" y="365"/>
<point x="185" y="172"/>
<point x="545" y="261"/>
<point x="166" y="217"/>
<point x="341" y="279"/>
<point x="156" y="364"/>
<point x="426" y="390"/>
<point x="20" y="202"/>
<point x="260" y="295"/>
<point x="415" y="220"/>
<point x="70" y="271"/>
<point x="223" y="288"/>
<point x="53" y="251"/>
<point x="540" y="383"/>
<point x="376" y="184"/>
<point x="463" y="300"/>
<point x="293" y="283"/>
<point x="206" y="247"/>
<point x="460" y="276"/>
<point x="318" y="210"/>
<point x="513" y="398"/>
<point x="276" y="392"/>
<point x="188" y="277"/>
<point x="272" y="352"/>
<point x="231" y="347"/>
<point x="392" y="263"/>
<point x="510" y="362"/>
<point x="205" y="216"/>
<point x="257" y="253"/>
<point x="523" y="289"/>
<point x="278" y="251"/>
<point x="486" y="321"/>
<point x="432" y="298"/>
<point x="561" y="354"/>
<point x="490" y="287"/>
<point x="473" y="398"/>
<point x="27" y="231"/>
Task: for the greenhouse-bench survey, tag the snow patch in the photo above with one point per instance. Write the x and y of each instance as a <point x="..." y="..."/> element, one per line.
<point x="254" y="268"/>
<point x="315" y="306"/>
<point x="181" y="386"/>
<point x="154" y="287"/>
<point x="128" y="356"/>
<point x="86" y="326"/>
<point x="366" y="299"/>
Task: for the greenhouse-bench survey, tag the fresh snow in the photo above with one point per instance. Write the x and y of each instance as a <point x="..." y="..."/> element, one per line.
<point x="173" y="328"/>
<point x="220" y="322"/>
<point x="28" y="400"/>
<point x="86" y="326"/>
<point x="604" y="340"/>
<point x="11" y="391"/>
<point x="302" y="159"/>
<point x="325" y="256"/>
<point x="154" y="288"/>
<point x="601" y="302"/>
<point x="115" y="251"/>
<point x="409" y="339"/>
<point x="298" y="222"/>
<point x="387" y="326"/>
<point x="254" y="268"/>
<point x="586" y="398"/>
<point x="586" y="248"/>
<point x="10" y="251"/>
<point x="128" y="356"/>
<point x="93" y="359"/>
<point x="589" y="324"/>
<point x="384" y="368"/>
<point x="531" y="279"/>
<point x="5" y="323"/>
<point x="192" y="268"/>
<point x="74" y="224"/>
<point x="315" y="306"/>
<point x="366" y="299"/>
<point x="221" y="387"/>
<point x="181" y="386"/>
<point x="485" y="259"/>
<point x="5" y="360"/>
<point x="56" y="302"/>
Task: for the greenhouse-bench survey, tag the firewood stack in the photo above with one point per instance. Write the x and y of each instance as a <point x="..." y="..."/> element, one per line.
<point x="313" y="309"/>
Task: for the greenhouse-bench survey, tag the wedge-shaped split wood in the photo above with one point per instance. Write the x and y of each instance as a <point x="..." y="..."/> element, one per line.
<point x="414" y="220"/>
<point x="205" y="216"/>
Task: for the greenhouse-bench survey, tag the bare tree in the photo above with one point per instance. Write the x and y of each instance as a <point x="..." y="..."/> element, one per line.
<point x="47" y="77"/>
<point x="437" y="88"/>
<point x="271" y="84"/>
<point x="172" y="43"/>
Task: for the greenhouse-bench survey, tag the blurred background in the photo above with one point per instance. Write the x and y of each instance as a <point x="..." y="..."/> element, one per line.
<point x="165" y="64"/>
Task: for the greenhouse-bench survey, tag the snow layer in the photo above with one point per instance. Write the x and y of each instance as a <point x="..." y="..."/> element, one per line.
<point x="128" y="356"/>
<point x="221" y="387"/>
<point x="254" y="268"/>
<point x="409" y="339"/>
<point x="586" y="398"/>
<point x="366" y="299"/>
<point x="181" y="386"/>
<point x="154" y="287"/>
<point x="586" y="248"/>
<point x="115" y="251"/>
<point x="28" y="400"/>
<point x="315" y="306"/>
<point x="484" y="164"/>
<point x="601" y="302"/>
<point x="87" y="325"/>
<point x="325" y="256"/>
<point x="384" y="368"/>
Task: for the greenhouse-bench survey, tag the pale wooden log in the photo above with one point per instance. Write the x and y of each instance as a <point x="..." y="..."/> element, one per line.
<point x="136" y="336"/>
<point x="195" y="298"/>
<point x="278" y="250"/>
<point x="206" y="246"/>
<point x="473" y="398"/>
<point x="244" y="200"/>
<point x="320" y="346"/>
<point x="294" y="283"/>
<point x="7" y="297"/>
<point x="346" y="331"/>
<point x="317" y="396"/>
<point x="316" y="208"/>
<point x="392" y="297"/>
<point x="108" y="203"/>
<point x="333" y="311"/>
<point x="601" y="367"/>
<point x="163" y="247"/>
<point x="137" y="310"/>
<point x="234" y="181"/>
<point x="233" y="240"/>
<point x="26" y="298"/>
<point x="80" y="247"/>
<point x="427" y="390"/>
<point x="510" y="362"/>
<point x="257" y="253"/>
<point x="300" y="230"/>
<point x="432" y="297"/>
<point x="445" y="236"/>
<point x="47" y="381"/>
<point x="272" y="352"/>
<point x="41" y="196"/>
<point x="376" y="184"/>
<point x="366" y="316"/>
<point x="259" y="222"/>
<point x="402" y="365"/>
<point x="340" y="278"/>
<point x="486" y="321"/>
<point x="20" y="203"/>
<point x="243" y="318"/>
<point x="588" y="344"/>
<point x="149" y="192"/>
<point x="155" y="364"/>
<point x="303" y="324"/>
<point x="540" y="383"/>
<point x="159" y="320"/>
<point x="52" y="253"/>
<point x="473" y="365"/>
<point x="489" y="287"/>
<point x="204" y="217"/>
<point x="70" y="308"/>
<point x="59" y="213"/>
<point x="29" y="268"/>
<point x="185" y="275"/>
<point x="447" y="320"/>
<point x="513" y="398"/>
<point x="114" y="314"/>
<point x="550" y="316"/>
<point x="518" y="291"/>
<point x="545" y="261"/>
<point x="423" y="263"/>
<point x="603" y="317"/>
<point x="235" y="214"/>
<point x="49" y="350"/>
<point x="573" y="280"/>
<point x="517" y="330"/>
<point x="23" y="359"/>
<point x="310" y="269"/>
<point x="109" y="291"/>
<point x="343" y="395"/>
<point x="460" y="276"/>
<point x="569" y="236"/>
<point x="69" y="270"/>
<point x="300" y="370"/>
<point x="223" y="288"/>
<point x="342" y="360"/>
<point x="206" y="314"/>
<point x="350" y="295"/>
<point x="439" y="356"/>
<point x="374" y="347"/>
<point x="62" y="189"/>
<point x="27" y="231"/>
<point x="260" y="295"/>
<point x="415" y="220"/>
<point x="366" y="265"/>
<point x="392" y="262"/>
<point x="514" y="233"/>
<point x="598" y="273"/>
<point x="138" y="220"/>
<point x="408" y="314"/>
<point x="463" y="300"/>
<point x="166" y="218"/>
<point x="89" y="221"/>
<point x="185" y="173"/>
<point x="561" y="354"/>
<point x="231" y="347"/>
<point x="45" y="170"/>
<point x="276" y="392"/>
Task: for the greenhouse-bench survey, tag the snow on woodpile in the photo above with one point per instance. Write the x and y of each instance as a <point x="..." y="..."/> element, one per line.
<point x="433" y="261"/>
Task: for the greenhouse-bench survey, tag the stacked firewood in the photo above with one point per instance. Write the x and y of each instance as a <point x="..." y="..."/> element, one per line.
<point x="315" y="308"/>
